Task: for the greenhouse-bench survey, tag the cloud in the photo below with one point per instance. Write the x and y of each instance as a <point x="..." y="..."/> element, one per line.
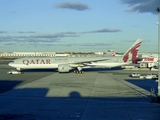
<point x="42" y="41"/>
<point x="24" y="39"/>
<point x="105" y="30"/>
<point x="57" y="35"/>
<point x="50" y="39"/>
<point x="42" y="38"/>
<point x="73" y="5"/>
<point x="95" y="44"/>
<point x="142" y="6"/>
<point x="31" y="32"/>
<point x="76" y="45"/>
<point x="85" y="44"/>
<point x="3" y="31"/>
<point x="133" y="2"/>
<point x="9" y="44"/>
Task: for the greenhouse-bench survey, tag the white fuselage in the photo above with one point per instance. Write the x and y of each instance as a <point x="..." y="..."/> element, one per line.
<point x="54" y="62"/>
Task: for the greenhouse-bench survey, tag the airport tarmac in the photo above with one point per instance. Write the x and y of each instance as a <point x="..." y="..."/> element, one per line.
<point x="101" y="95"/>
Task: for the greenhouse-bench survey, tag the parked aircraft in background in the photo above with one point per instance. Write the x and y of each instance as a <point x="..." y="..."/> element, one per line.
<point x="149" y="62"/>
<point x="150" y="59"/>
<point x="65" y="64"/>
<point x="112" y="53"/>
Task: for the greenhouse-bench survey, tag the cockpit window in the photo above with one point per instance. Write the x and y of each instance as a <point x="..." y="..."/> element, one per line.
<point x="12" y="61"/>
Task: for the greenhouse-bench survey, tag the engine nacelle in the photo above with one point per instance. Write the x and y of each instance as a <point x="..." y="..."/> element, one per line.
<point x="63" y="68"/>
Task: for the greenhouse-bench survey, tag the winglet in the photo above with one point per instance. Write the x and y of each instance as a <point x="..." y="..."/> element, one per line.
<point x="132" y="52"/>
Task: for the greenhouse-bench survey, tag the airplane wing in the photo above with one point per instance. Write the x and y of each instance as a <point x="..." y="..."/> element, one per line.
<point x="85" y="62"/>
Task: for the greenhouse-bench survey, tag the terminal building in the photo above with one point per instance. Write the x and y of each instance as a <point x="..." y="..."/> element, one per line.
<point x="51" y="54"/>
<point x="31" y="54"/>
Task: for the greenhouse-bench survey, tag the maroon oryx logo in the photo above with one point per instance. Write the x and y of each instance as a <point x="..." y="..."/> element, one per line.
<point x="133" y="52"/>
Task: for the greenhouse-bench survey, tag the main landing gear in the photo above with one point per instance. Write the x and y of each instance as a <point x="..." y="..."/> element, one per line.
<point x="78" y="70"/>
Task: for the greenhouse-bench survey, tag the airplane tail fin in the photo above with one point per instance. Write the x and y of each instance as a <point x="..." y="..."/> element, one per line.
<point x="132" y="53"/>
<point x="112" y="52"/>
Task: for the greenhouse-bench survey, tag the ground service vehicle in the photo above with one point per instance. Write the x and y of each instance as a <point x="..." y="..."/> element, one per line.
<point x="14" y="72"/>
<point x="136" y="75"/>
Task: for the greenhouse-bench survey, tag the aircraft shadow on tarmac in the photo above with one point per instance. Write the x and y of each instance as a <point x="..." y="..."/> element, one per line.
<point x="34" y="101"/>
<point x="6" y="85"/>
<point x="102" y="69"/>
<point x="146" y="84"/>
<point x="38" y="70"/>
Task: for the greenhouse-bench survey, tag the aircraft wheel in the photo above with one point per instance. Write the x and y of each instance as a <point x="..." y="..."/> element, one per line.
<point x="82" y="72"/>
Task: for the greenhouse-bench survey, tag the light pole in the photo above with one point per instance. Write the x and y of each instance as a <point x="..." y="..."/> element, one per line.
<point x="158" y="10"/>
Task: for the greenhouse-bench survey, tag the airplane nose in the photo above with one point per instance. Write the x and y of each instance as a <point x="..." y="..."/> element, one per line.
<point x="10" y="64"/>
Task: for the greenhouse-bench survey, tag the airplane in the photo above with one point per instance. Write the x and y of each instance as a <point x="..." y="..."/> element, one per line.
<point x="112" y="53"/>
<point x="65" y="64"/>
<point x="150" y="59"/>
<point x="149" y="62"/>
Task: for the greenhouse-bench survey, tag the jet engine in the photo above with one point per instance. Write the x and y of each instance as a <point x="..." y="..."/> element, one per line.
<point x="63" y="68"/>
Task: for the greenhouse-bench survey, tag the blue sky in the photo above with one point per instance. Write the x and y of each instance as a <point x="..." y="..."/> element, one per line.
<point x="77" y="26"/>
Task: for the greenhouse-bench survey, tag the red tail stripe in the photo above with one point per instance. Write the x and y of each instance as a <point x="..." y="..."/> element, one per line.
<point x="134" y="51"/>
